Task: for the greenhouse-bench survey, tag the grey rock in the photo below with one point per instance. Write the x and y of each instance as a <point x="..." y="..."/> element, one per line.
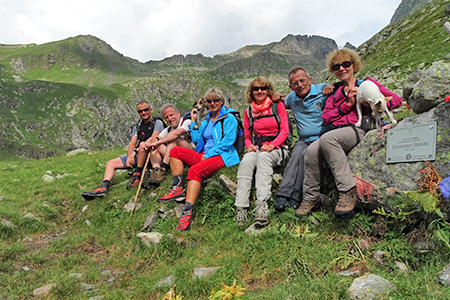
<point x="431" y="89"/>
<point x="401" y="266"/>
<point x="27" y="239"/>
<point x="229" y="185"/>
<point x="97" y="298"/>
<point x="379" y="257"/>
<point x="59" y="176"/>
<point x="87" y="287"/>
<point x="150" y="238"/>
<point x="150" y="222"/>
<point x="447" y="26"/>
<point x="31" y="216"/>
<point x="168" y="281"/>
<point x="129" y="206"/>
<point x="165" y="212"/>
<point x="368" y="159"/>
<point x="43" y="291"/>
<point x="179" y="209"/>
<point x="444" y="277"/>
<point x="106" y="272"/>
<point x="447" y="10"/>
<point x="76" y="275"/>
<point x="204" y="272"/>
<point x="369" y="287"/>
<point x="25" y="268"/>
<point x="348" y="273"/>
<point x="7" y="223"/>
<point x="48" y="178"/>
<point x="77" y="151"/>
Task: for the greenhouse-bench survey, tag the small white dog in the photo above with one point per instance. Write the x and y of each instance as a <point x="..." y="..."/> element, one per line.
<point x="370" y="93"/>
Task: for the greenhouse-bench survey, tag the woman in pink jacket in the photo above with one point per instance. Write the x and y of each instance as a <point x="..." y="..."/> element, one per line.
<point x="266" y="129"/>
<point x="333" y="146"/>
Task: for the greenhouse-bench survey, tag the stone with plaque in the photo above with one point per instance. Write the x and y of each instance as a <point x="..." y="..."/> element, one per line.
<point x="412" y="143"/>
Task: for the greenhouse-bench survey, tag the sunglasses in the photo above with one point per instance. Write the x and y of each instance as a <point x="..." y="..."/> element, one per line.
<point x="345" y="64"/>
<point x="257" y="88"/>
<point x="213" y="100"/>
<point x="142" y="110"/>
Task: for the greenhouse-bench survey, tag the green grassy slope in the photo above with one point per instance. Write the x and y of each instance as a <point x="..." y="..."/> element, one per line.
<point x="296" y="259"/>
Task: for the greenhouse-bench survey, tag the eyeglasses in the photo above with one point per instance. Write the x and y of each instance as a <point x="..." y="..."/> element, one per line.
<point x="213" y="100"/>
<point x="296" y="84"/>
<point x="257" y="88"/>
<point x="142" y="110"/>
<point x="345" y="64"/>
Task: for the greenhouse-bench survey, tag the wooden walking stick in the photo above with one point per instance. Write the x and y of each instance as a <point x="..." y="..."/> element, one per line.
<point x="140" y="183"/>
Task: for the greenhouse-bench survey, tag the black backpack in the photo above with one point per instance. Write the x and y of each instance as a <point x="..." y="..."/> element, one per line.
<point x="149" y="133"/>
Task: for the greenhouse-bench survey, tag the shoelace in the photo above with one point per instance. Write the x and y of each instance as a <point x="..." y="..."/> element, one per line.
<point x="184" y="219"/>
<point x="260" y="211"/>
<point x="241" y="215"/>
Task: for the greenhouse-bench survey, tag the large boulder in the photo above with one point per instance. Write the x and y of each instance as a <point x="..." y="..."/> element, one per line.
<point x="431" y="89"/>
<point x="368" y="159"/>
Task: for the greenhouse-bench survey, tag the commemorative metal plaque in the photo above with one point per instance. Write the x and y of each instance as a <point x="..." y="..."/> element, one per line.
<point x="413" y="143"/>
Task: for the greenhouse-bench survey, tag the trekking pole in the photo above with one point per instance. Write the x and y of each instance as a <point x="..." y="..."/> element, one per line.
<point x="140" y="183"/>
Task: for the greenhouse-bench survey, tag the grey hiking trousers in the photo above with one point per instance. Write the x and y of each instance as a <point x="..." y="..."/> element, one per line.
<point x="263" y="162"/>
<point x="333" y="146"/>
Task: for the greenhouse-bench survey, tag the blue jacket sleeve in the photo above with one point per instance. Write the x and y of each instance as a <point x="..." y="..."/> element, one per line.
<point x="229" y="136"/>
<point x="196" y="134"/>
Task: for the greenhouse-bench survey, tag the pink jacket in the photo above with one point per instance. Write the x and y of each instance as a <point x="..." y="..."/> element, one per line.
<point x="338" y="113"/>
<point x="268" y="127"/>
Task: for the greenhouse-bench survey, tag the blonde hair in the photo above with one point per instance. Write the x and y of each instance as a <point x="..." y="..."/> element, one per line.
<point x="341" y="55"/>
<point x="264" y="81"/>
<point x="214" y="93"/>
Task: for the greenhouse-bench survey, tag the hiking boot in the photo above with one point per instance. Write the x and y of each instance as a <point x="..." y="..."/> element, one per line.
<point x="134" y="181"/>
<point x="100" y="191"/>
<point x="281" y="204"/>
<point x="185" y="221"/>
<point x="241" y="216"/>
<point x="306" y="207"/>
<point x="157" y="176"/>
<point x="345" y="208"/>
<point x="261" y="213"/>
<point x="175" y="194"/>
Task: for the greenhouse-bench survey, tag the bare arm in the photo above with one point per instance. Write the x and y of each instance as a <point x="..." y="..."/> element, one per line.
<point x="170" y="137"/>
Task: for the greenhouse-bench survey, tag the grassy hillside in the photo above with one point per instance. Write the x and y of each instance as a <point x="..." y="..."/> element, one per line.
<point x="73" y="246"/>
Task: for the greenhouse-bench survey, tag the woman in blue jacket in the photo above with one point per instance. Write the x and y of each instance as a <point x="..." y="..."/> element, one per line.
<point x="214" y="138"/>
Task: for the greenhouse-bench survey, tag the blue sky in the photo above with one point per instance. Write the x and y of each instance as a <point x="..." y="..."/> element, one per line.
<point x="152" y="30"/>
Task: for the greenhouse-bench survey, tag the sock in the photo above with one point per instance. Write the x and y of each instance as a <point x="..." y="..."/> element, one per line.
<point x="138" y="170"/>
<point x="164" y="165"/>
<point x="176" y="180"/>
<point x="106" y="182"/>
<point x="188" y="206"/>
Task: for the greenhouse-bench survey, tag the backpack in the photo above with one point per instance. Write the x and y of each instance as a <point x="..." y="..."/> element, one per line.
<point x="149" y="133"/>
<point x="258" y="140"/>
<point x="239" y="143"/>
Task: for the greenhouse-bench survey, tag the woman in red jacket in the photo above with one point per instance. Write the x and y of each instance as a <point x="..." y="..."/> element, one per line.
<point x="265" y="139"/>
<point x="333" y="146"/>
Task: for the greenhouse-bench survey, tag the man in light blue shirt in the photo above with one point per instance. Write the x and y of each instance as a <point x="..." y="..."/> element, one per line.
<point x="307" y="101"/>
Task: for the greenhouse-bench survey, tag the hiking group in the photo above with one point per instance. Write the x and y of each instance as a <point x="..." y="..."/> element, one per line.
<point x="325" y="117"/>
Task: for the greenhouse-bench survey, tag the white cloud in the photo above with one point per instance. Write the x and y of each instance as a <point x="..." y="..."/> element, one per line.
<point x="147" y="30"/>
